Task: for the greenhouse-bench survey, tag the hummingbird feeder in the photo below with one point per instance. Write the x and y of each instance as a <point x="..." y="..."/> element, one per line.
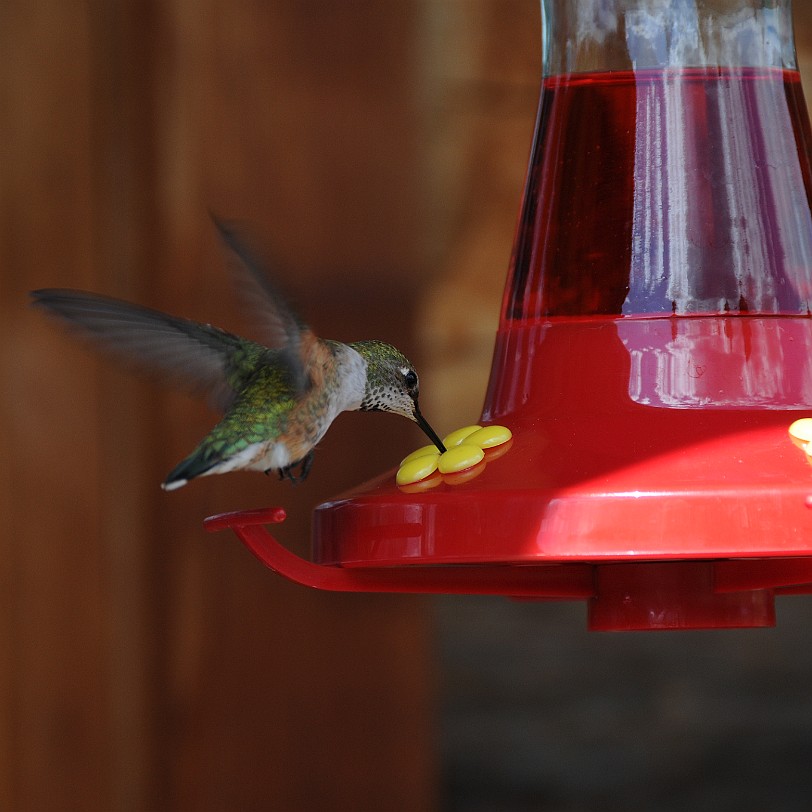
<point x="655" y="344"/>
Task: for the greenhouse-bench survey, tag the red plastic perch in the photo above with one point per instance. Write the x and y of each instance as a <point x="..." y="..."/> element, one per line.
<point x="559" y="581"/>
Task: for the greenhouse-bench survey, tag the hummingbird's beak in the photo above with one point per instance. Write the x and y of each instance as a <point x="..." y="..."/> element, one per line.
<point x="429" y="431"/>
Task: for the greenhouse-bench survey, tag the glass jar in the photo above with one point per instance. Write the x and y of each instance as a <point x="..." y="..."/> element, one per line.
<point x="670" y="170"/>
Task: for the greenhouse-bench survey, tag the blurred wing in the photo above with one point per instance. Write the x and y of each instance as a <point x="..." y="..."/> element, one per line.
<point x="202" y="358"/>
<point x="279" y="325"/>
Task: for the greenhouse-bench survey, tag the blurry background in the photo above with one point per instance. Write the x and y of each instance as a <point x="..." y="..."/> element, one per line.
<point x="378" y="149"/>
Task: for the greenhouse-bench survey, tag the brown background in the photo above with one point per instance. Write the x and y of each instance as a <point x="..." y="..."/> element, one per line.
<point x="379" y="149"/>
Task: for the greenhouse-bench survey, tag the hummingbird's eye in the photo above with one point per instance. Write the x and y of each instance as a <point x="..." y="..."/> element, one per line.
<point x="410" y="379"/>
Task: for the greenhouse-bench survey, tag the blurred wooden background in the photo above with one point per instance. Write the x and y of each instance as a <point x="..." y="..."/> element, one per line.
<point x="147" y="665"/>
<point x="378" y="149"/>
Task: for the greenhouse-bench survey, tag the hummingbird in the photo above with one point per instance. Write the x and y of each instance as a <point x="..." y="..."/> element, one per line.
<point x="277" y="398"/>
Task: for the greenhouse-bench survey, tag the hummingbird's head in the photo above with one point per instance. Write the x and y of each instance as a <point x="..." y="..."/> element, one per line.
<point x="392" y="384"/>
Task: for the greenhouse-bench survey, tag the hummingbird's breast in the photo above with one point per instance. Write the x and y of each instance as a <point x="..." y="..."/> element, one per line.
<point x="337" y="379"/>
<point x="337" y="376"/>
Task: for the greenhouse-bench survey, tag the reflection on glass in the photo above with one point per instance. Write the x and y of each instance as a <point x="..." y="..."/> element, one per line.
<point x="748" y="362"/>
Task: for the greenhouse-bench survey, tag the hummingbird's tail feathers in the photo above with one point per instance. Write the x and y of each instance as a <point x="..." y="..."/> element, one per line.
<point x="280" y="326"/>
<point x="212" y="456"/>
<point x="173" y="484"/>
<point x="198" y="463"/>
<point x="202" y="358"/>
<point x="190" y="468"/>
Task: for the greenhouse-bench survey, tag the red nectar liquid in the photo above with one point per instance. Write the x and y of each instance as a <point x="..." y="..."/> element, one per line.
<point x="666" y="192"/>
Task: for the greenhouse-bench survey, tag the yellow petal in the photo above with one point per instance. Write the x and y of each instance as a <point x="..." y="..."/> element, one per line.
<point x="456" y="437"/>
<point x="489" y="436"/>
<point x="801" y="431"/>
<point x="416" y="469"/>
<point x="460" y="457"/>
<point x="425" y="451"/>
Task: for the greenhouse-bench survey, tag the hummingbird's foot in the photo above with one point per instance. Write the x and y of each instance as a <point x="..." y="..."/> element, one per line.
<point x="304" y="466"/>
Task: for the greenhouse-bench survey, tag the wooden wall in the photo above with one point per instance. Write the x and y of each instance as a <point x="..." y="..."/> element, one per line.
<point x="379" y="149"/>
<point x="145" y="664"/>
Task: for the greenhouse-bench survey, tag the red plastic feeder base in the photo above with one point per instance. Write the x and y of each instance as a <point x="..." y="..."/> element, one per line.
<point x="651" y="475"/>
<point x="621" y="597"/>
<point x="674" y="595"/>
